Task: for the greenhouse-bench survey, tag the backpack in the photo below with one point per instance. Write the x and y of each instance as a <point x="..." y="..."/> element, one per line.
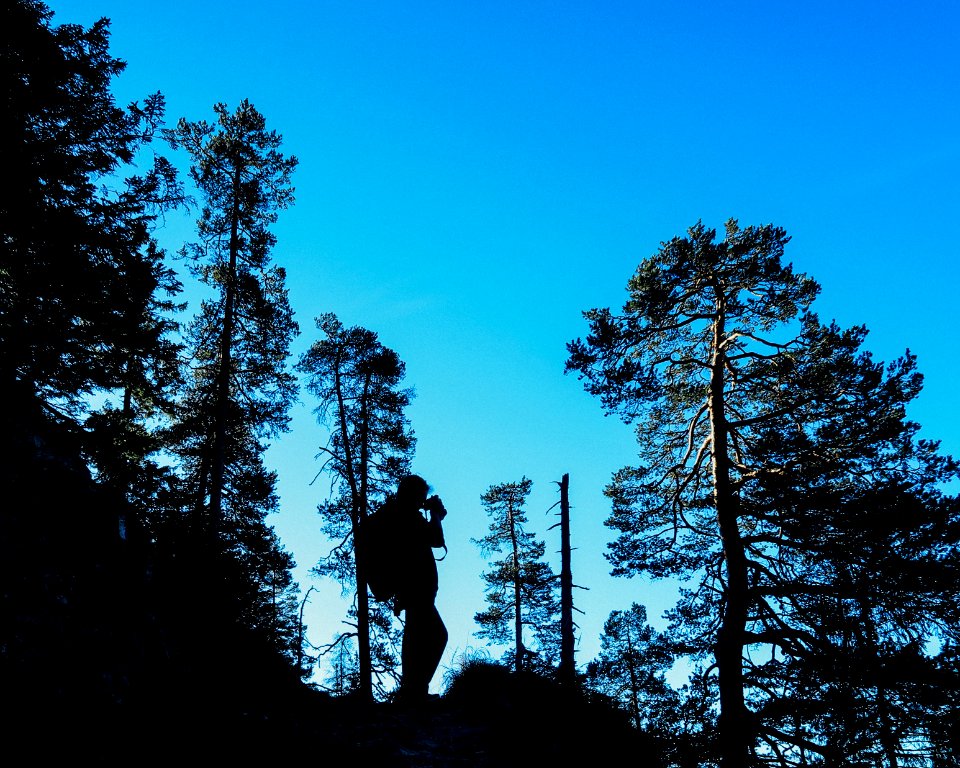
<point x="377" y="553"/>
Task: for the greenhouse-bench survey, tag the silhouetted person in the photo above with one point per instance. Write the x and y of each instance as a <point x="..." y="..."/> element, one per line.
<point x="424" y="634"/>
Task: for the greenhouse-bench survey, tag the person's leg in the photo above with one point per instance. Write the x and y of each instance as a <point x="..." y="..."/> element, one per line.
<point x="435" y="641"/>
<point x="413" y="682"/>
<point x="424" y="640"/>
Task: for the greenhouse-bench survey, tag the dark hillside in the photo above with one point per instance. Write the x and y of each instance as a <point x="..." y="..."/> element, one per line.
<point x="474" y="729"/>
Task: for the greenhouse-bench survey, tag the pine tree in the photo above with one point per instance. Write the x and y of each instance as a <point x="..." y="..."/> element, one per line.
<point x="767" y="441"/>
<point x="88" y="364"/>
<point x="358" y="385"/>
<point x="239" y="389"/>
<point x="521" y="588"/>
<point x="630" y="667"/>
<point x="240" y="341"/>
<point x="84" y="293"/>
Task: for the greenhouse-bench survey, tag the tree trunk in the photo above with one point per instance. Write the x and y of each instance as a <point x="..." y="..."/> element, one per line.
<point x="631" y="658"/>
<point x="218" y="469"/>
<point x="363" y="597"/>
<point x="364" y="664"/>
<point x="733" y="725"/>
<point x="568" y="669"/>
<point x="517" y="617"/>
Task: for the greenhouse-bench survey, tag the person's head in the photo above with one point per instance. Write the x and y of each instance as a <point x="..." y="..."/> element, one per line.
<point x="413" y="490"/>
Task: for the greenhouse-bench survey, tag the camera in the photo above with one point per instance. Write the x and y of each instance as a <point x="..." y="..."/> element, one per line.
<point x="434" y="506"/>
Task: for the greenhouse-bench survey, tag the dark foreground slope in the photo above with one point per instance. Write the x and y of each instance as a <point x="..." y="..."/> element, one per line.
<point x="517" y="722"/>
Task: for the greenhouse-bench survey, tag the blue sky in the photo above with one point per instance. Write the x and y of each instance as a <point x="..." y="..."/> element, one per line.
<point x="474" y="175"/>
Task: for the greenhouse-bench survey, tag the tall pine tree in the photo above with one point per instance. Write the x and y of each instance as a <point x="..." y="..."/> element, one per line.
<point x="777" y="468"/>
<point x="84" y="294"/>
<point x="239" y="388"/>
<point x="358" y="383"/>
<point x="521" y="589"/>
<point x="87" y="363"/>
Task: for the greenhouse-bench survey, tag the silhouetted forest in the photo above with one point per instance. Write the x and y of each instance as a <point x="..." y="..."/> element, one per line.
<point x="148" y="605"/>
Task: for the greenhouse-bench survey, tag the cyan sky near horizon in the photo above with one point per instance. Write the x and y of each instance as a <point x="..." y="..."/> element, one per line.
<point x="474" y="175"/>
